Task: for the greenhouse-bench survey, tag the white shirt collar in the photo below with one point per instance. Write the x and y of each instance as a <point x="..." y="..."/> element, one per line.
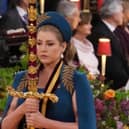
<point x="111" y="27"/>
<point x="21" y="11"/>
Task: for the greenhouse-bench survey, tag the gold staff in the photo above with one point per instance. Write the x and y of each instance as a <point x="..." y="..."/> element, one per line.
<point x="104" y="50"/>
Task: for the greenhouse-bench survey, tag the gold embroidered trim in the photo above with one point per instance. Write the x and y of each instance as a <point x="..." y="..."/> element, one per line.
<point x="67" y="78"/>
<point x="23" y="83"/>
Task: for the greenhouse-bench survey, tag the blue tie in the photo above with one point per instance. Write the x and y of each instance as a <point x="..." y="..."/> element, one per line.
<point x="25" y="17"/>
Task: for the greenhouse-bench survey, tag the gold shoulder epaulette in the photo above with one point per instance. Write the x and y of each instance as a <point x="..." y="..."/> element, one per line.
<point x="67" y="78"/>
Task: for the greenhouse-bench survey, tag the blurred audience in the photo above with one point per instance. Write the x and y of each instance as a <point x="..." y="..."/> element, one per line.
<point x="111" y="14"/>
<point x="14" y="22"/>
<point x="123" y="31"/>
<point x="85" y="52"/>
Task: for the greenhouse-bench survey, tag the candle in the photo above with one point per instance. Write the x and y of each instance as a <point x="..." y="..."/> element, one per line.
<point x="104" y="50"/>
<point x="42" y="2"/>
<point x="103" y="64"/>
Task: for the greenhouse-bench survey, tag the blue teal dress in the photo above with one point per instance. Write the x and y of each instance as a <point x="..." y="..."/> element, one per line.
<point x="63" y="109"/>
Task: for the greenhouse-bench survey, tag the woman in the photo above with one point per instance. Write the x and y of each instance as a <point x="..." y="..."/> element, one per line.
<point x="84" y="48"/>
<point x="75" y="108"/>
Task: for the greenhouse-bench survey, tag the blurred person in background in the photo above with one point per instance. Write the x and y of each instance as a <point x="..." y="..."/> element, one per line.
<point x="14" y="22"/>
<point x="70" y="11"/>
<point x="16" y="16"/>
<point x="111" y="14"/>
<point x="85" y="51"/>
<point x="123" y="31"/>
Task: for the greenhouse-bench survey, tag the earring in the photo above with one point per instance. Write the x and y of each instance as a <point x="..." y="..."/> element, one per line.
<point x="62" y="56"/>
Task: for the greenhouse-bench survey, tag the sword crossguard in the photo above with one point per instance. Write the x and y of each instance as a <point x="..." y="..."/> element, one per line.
<point x="31" y="94"/>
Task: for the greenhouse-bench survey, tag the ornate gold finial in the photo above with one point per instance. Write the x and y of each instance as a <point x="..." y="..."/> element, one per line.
<point x="32" y="69"/>
<point x="32" y="13"/>
<point x="32" y="42"/>
<point x="32" y="57"/>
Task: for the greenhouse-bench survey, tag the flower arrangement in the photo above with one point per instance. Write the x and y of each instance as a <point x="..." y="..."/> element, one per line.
<point x="112" y="106"/>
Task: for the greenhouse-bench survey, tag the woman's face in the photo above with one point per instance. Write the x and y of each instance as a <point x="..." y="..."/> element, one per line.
<point x="49" y="49"/>
<point x="85" y="29"/>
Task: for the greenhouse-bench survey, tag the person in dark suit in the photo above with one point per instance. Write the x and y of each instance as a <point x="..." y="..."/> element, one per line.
<point x="111" y="15"/>
<point x="14" y="17"/>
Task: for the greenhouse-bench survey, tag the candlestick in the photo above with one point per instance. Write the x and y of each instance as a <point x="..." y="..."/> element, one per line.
<point x="42" y="2"/>
<point x="104" y="50"/>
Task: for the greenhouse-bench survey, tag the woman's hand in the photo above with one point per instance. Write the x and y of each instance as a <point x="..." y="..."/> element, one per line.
<point x="30" y="105"/>
<point x="35" y="119"/>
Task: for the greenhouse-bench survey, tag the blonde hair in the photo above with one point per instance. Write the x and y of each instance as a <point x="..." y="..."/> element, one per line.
<point x="53" y="30"/>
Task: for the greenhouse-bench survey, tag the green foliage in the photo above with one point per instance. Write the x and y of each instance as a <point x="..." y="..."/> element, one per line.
<point x="6" y="78"/>
<point x="7" y="75"/>
<point x="24" y="57"/>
